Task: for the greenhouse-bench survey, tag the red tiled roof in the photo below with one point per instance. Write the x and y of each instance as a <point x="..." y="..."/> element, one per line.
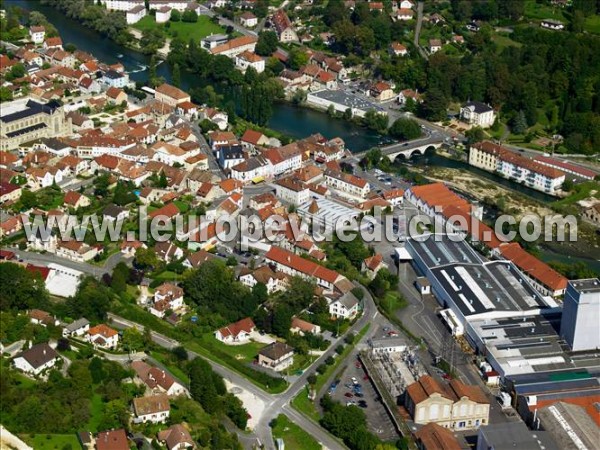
<point x="103" y="330"/>
<point x="170" y="210"/>
<point x="252" y="136"/>
<point x="478" y="230"/>
<point x="234" y="329"/>
<point x="438" y="194"/>
<point x="435" y="437"/>
<point x="299" y="264"/>
<point x="533" y="267"/>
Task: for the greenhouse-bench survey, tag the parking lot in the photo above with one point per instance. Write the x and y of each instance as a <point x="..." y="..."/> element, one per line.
<point x="367" y="399"/>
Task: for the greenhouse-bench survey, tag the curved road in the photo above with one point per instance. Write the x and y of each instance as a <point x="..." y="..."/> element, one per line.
<point x="275" y="404"/>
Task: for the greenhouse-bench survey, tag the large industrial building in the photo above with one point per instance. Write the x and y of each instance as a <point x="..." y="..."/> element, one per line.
<point x="581" y="315"/>
<point x="470" y="287"/>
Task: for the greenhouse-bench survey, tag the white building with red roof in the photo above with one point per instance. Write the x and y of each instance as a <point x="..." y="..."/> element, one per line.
<point x="236" y="333"/>
<point x="103" y="336"/>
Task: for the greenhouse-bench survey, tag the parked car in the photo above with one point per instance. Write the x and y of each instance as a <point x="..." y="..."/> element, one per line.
<point x="348" y="394"/>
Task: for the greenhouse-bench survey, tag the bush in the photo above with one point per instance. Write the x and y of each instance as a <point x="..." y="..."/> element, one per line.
<point x="329" y="361"/>
<point x="312" y="379"/>
<point x="349" y="339"/>
<point x="322" y="369"/>
<point x="339" y="349"/>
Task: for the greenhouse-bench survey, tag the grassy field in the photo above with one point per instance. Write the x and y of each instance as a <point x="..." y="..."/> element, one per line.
<point x="185" y="30"/>
<point x="302" y="403"/>
<point x="534" y="10"/>
<point x="51" y="441"/>
<point x="503" y="41"/>
<point x="294" y="437"/>
<point x="592" y="24"/>
<point x="243" y="353"/>
<point x="96" y="409"/>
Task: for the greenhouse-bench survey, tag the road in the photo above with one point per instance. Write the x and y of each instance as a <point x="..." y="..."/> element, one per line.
<point x="47" y="258"/>
<point x="275" y="404"/>
<point x="204" y="11"/>
<point x="418" y="29"/>
<point x="213" y="164"/>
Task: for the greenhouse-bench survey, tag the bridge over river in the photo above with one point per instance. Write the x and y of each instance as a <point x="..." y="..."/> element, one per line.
<point x="410" y="148"/>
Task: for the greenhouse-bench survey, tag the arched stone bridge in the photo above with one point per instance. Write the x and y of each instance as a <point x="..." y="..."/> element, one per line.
<point x="408" y="149"/>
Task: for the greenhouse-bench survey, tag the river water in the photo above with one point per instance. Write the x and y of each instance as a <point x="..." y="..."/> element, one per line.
<point x="288" y="119"/>
<point x="292" y="121"/>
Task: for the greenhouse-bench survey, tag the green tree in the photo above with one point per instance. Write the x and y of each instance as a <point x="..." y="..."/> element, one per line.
<point x="176" y="76"/>
<point x="133" y="340"/>
<point x="267" y="43"/>
<point x="405" y="129"/>
<point x="21" y="289"/>
<point x="175" y="15"/>
<point x="519" y="123"/>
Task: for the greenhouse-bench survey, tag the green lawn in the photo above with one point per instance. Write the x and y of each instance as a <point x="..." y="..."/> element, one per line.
<point x="592" y="24"/>
<point x="503" y="41"/>
<point x="244" y="353"/>
<point x="534" y="10"/>
<point x="182" y="206"/>
<point x="294" y="437"/>
<point x="96" y="409"/>
<point x="185" y="30"/>
<point x="51" y="441"/>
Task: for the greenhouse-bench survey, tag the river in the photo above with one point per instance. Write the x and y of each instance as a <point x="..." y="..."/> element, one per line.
<point x="287" y="119"/>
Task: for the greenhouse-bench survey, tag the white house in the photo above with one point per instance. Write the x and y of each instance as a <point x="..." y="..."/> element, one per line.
<point x="435" y="45"/>
<point x="136" y="14"/>
<point x="112" y="78"/>
<point x="157" y="380"/>
<point x="552" y="24"/>
<point x="77" y="329"/>
<point x="163" y="14"/>
<point x="478" y="114"/>
<point x="153" y="409"/>
<point x="37" y="34"/>
<point x="344" y="307"/>
<point x="276" y="356"/>
<point x="248" y="20"/>
<point x="236" y="333"/>
<point x="347" y="184"/>
<point x="166" y="297"/>
<point x="248" y="59"/>
<point x="36" y="359"/>
<point x="291" y="190"/>
<point x="103" y="336"/>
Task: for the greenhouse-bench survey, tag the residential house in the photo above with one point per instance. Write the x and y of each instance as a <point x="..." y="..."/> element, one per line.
<point x="373" y="264"/>
<point x="43" y="318"/>
<point x="303" y="327"/>
<point x="167" y="296"/>
<point x="292" y="190"/>
<point x="171" y="95"/>
<point x="230" y="155"/>
<point x="53" y="43"/>
<point x="403" y="14"/>
<point x="283" y="27"/>
<point x="77" y="329"/>
<point x="37" y="34"/>
<point x="157" y="380"/>
<point x="36" y="359"/>
<point x="41" y="177"/>
<point x="135" y="14"/>
<point x="103" y="336"/>
<point x="248" y="20"/>
<point x="115" y="213"/>
<point x="434" y="437"/>
<point x="235" y="46"/>
<point x="249" y="59"/>
<point x="236" y="333"/>
<point x="252" y="139"/>
<point x="344" y="307"/>
<point x="274" y="282"/>
<point x="153" y="409"/>
<point x="455" y="406"/>
<point x="276" y="356"/>
<point x="115" y="79"/>
<point x="75" y="250"/>
<point x="397" y="49"/>
<point x="113" y="439"/>
<point x="163" y="14"/>
<point x="167" y="251"/>
<point x="116" y="96"/>
<point x="346" y="183"/>
<point x="552" y="24"/>
<point x="435" y="45"/>
<point x="75" y="200"/>
<point x="9" y="192"/>
<point x="196" y="259"/>
<point x="176" y="437"/>
<point x="478" y="114"/>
